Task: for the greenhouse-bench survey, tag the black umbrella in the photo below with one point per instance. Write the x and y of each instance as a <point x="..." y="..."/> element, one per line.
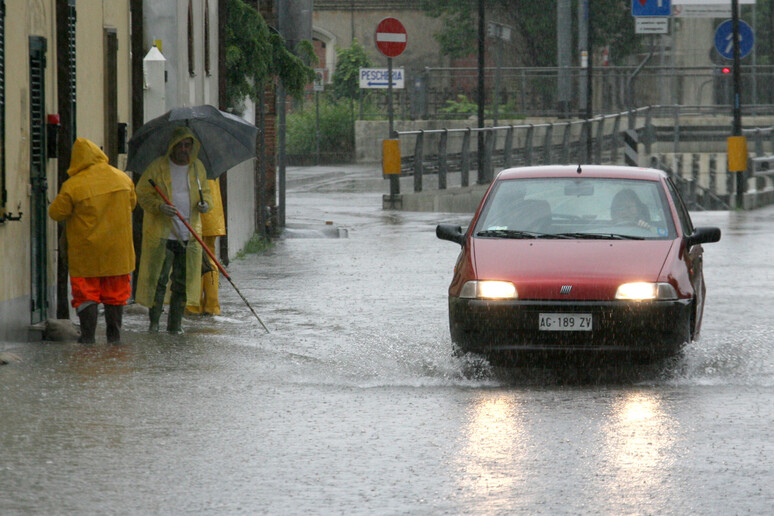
<point x="226" y="140"/>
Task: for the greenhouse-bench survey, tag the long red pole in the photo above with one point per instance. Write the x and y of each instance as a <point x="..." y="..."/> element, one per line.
<point x="207" y="249"/>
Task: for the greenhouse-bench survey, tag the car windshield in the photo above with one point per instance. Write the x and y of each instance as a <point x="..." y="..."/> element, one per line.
<point x="582" y="208"/>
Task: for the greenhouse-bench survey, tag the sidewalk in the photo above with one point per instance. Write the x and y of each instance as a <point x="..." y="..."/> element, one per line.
<point x="367" y="177"/>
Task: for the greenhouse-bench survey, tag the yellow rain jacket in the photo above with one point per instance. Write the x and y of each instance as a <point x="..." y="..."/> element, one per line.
<point x="156" y="226"/>
<point x="96" y="203"/>
<point x="213" y="222"/>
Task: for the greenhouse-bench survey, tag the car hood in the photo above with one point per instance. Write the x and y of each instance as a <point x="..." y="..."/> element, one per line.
<point x="593" y="268"/>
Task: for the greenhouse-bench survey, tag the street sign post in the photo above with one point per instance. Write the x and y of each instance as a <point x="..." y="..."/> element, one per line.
<point x="391" y="39"/>
<point x="651" y="8"/>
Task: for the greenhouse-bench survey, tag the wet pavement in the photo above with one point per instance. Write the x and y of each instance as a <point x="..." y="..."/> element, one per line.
<point x="354" y="404"/>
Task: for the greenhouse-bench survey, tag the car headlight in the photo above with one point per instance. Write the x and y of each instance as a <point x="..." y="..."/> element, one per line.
<point x="489" y="290"/>
<point x="644" y="291"/>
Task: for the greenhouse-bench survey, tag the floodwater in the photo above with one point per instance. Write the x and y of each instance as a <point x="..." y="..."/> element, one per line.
<point x="354" y="404"/>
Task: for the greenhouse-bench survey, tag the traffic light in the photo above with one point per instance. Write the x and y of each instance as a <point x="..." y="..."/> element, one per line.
<point x="725" y="70"/>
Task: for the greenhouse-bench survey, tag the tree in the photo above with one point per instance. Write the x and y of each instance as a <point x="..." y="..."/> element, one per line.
<point x="255" y="54"/>
<point x="346" y="78"/>
<point x="534" y="24"/>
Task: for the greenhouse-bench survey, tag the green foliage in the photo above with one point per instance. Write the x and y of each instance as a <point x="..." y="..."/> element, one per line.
<point x="337" y="129"/>
<point x="346" y="78"/>
<point x="256" y="244"/>
<point x="534" y="24"/>
<point x="254" y="54"/>
<point x="463" y="107"/>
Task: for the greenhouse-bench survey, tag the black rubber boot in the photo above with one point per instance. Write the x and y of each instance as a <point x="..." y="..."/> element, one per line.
<point x="155" y="316"/>
<point x="88" y="317"/>
<point x="176" y="309"/>
<point x="113" y="317"/>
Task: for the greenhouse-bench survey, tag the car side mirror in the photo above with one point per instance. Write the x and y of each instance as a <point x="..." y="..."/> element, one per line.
<point x="450" y="232"/>
<point x="704" y="235"/>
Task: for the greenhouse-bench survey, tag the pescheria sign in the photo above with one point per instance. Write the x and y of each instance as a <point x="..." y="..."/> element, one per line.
<point x="376" y="78"/>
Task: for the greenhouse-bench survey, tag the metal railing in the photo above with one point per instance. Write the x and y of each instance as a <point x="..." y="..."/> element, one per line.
<point x="439" y="153"/>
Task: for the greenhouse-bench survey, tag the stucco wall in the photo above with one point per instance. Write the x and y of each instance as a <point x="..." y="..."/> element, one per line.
<point x="34" y="17"/>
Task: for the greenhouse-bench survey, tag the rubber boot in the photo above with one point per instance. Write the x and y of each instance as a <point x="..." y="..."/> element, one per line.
<point x="155" y="316"/>
<point x="176" y="309"/>
<point x="88" y="317"/>
<point x="113" y="317"/>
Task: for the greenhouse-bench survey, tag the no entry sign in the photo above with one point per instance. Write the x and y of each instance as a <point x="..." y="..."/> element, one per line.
<point x="391" y="37"/>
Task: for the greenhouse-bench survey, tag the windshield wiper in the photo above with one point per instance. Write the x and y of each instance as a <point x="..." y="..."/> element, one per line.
<point x="514" y="233"/>
<point x="601" y="236"/>
<point x="508" y="233"/>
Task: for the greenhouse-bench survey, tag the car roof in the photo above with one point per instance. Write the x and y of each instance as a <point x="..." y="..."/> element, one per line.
<point x="604" y="171"/>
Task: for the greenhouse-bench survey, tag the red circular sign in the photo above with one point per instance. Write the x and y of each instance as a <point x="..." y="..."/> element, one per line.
<point x="390" y="37"/>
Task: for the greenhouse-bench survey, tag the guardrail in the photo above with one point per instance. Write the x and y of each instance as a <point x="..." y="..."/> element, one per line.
<point x="613" y="139"/>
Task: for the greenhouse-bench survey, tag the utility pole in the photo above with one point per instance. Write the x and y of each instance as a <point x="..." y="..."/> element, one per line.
<point x="589" y="77"/>
<point x="737" y="143"/>
<point x="564" y="54"/>
<point x="481" y="92"/>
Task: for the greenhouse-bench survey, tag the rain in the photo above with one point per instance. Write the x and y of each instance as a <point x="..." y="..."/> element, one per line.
<point x="355" y="402"/>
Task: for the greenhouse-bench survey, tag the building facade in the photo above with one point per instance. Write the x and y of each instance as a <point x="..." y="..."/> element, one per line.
<point x="71" y="66"/>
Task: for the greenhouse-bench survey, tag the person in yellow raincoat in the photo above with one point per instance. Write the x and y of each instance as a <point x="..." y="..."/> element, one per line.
<point x="213" y="226"/>
<point x="169" y="252"/>
<point x="96" y="203"/>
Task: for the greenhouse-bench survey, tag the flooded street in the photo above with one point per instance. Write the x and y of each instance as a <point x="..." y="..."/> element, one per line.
<point x="354" y="404"/>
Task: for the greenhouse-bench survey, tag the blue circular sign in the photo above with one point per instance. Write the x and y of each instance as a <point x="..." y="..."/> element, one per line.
<point x="724" y="39"/>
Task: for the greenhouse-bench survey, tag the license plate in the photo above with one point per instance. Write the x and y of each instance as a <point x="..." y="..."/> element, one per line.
<point x="565" y="322"/>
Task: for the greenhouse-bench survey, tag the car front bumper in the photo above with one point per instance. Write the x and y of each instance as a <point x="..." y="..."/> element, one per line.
<point x="656" y="328"/>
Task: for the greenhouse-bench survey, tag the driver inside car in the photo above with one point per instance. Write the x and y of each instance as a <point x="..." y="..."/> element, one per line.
<point x="627" y="209"/>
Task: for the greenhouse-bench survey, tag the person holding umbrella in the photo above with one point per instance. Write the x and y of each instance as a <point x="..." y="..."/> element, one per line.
<point x="169" y="251"/>
<point x="96" y="203"/>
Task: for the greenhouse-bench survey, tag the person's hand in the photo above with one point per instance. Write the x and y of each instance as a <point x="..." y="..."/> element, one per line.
<point x="168" y="210"/>
<point x="203" y="207"/>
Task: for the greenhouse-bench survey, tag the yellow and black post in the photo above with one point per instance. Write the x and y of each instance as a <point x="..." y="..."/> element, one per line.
<point x="737" y="164"/>
<point x="391" y="170"/>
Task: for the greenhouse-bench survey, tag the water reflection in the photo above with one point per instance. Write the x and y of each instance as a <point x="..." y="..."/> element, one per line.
<point x="494" y="441"/>
<point x="640" y="443"/>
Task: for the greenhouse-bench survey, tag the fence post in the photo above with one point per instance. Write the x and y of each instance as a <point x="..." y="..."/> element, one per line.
<point x="465" y="159"/>
<point x="566" y="143"/>
<point x="599" y="139"/>
<point x="694" y="178"/>
<point x="507" y="146"/>
<point x="631" y="157"/>
<point x="489" y="146"/>
<point x="585" y="151"/>
<point x="528" y="146"/>
<point x="442" y="162"/>
<point x="615" y="140"/>
<point x="548" y="144"/>
<point x="649" y="131"/>
<point x="713" y="175"/>
<point x="758" y="142"/>
<point x="418" y="158"/>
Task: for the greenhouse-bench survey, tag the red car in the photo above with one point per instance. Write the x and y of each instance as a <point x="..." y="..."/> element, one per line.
<point x="578" y="259"/>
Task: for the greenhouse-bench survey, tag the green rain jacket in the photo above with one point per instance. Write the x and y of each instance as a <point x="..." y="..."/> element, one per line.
<point x="156" y="226"/>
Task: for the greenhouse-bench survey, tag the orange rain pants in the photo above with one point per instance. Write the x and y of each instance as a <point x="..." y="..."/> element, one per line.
<point x="108" y="290"/>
